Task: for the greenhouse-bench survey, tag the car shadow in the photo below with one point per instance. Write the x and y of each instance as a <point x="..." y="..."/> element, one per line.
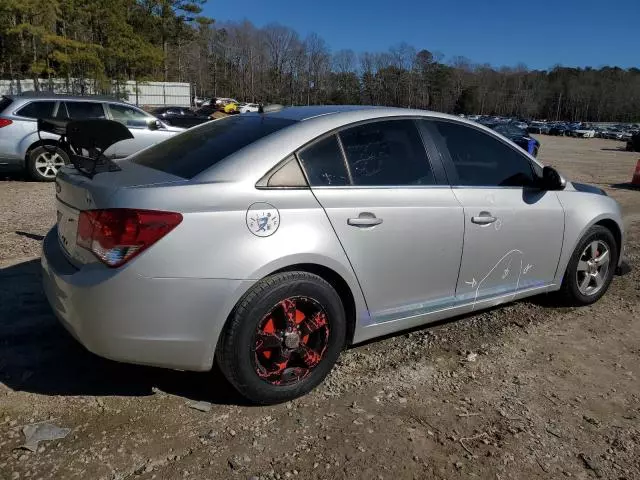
<point x="619" y="149"/>
<point x="32" y="236"/>
<point x="39" y="356"/>
<point x="15" y="177"/>
<point x="626" y="186"/>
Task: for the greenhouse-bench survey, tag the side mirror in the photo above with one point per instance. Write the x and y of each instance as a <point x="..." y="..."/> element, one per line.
<point x="552" y="180"/>
<point x="154" y="124"/>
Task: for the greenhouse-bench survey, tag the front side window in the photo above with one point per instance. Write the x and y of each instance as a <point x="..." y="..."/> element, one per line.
<point x="482" y="160"/>
<point x="84" y="110"/>
<point x="387" y="153"/>
<point x="128" y="116"/>
<point x="324" y="164"/>
<point x="37" y="110"/>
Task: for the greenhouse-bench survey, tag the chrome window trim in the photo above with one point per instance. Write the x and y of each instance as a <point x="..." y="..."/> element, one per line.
<point x="380" y="187"/>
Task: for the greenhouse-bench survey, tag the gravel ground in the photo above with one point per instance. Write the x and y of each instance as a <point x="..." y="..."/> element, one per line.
<point x="522" y="391"/>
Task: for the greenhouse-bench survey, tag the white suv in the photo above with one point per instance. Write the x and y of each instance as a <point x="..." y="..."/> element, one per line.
<point x="21" y="148"/>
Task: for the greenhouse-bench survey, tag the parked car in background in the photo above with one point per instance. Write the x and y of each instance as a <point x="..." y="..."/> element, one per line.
<point x="22" y="149"/>
<point x="198" y="101"/>
<point x="248" y="107"/>
<point x="207" y="110"/>
<point x="633" y="145"/>
<point x="559" y="129"/>
<point x="538" y="127"/>
<point x="613" y="134"/>
<point x="180" y="116"/>
<point x="518" y="136"/>
<point x="583" y="132"/>
<point x="229" y="108"/>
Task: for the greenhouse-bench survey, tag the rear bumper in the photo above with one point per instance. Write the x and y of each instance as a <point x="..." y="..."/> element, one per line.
<point x="121" y="315"/>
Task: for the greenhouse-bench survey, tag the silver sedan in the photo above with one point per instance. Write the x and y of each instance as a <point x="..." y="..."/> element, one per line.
<point x="269" y="242"/>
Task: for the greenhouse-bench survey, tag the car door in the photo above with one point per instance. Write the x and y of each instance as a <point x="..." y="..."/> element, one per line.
<point x="400" y="227"/>
<point x="513" y="229"/>
<point x="142" y="126"/>
<point x="188" y="118"/>
<point x="174" y="116"/>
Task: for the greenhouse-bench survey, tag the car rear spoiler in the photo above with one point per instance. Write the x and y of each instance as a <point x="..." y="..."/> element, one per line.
<point x="85" y="141"/>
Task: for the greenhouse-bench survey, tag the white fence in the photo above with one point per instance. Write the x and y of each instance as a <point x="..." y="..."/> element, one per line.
<point x="139" y="93"/>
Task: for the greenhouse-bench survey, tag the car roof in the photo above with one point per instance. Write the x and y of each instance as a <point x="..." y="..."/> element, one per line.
<point x="308" y="112"/>
<point x="308" y="124"/>
<point x="55" y="96"/>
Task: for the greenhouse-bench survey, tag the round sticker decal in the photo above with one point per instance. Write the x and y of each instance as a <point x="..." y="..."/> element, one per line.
<point x="263" y="219"/>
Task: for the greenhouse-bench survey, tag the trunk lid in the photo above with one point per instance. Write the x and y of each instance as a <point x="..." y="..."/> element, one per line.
<point x="76" y="192"/>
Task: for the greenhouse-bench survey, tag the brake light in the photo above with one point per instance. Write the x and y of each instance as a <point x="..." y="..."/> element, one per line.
<point x="5" y="122"/>
<point x="115" y="236"/>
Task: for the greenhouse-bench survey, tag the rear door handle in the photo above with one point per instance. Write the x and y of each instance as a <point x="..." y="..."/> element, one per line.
<point x="365" y="219"/>
<point x="485" y="218"/>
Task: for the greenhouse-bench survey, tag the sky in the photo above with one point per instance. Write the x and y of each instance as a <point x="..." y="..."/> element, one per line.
<point x="538" y="33"/>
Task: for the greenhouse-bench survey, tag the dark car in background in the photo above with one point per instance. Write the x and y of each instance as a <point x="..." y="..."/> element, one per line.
<point x="207" y="110"/>
<point x="633" y="145"/>
<point x="559" y="130"/>
<point x="180" y="116"/>
<point x="538" y="127"/>
<point x="519" y="136"/>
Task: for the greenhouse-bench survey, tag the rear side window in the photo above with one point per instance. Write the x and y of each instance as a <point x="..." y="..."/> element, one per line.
<point x="37" y="110"/>
<point x="387" y="153"/>
<point x="192" y="152"/>
<point x="4" y="103"/>
<point x="84" y="110"/>
<point x="324" y="164"/>
<point x="482" y="160"/>
<point x="288" y="175"/>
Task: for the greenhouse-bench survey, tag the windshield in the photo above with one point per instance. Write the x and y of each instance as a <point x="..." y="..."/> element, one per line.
<point x="192" y="152"/>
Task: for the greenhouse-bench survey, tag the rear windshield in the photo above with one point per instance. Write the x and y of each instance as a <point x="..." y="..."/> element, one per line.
<point x="192" y="152"/>
<point x="4" y="103"/>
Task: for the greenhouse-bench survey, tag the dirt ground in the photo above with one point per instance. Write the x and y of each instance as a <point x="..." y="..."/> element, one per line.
<point x="522" y="391"/>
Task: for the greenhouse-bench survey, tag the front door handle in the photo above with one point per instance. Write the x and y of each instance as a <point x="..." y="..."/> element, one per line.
<point x="485" y="218"/>
<point x="365" y="219"/>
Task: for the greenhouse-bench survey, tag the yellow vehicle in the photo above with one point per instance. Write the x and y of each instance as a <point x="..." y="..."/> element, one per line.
<point x="230" y="108"/>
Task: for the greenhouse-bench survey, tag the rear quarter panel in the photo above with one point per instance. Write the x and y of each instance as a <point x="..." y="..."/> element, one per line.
<point x="16" y="139"/>
<point x="582" y="211"/>
<point x="214" y="241"/>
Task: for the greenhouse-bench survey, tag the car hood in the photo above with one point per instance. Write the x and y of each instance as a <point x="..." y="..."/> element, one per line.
<point x="586" y="188"/>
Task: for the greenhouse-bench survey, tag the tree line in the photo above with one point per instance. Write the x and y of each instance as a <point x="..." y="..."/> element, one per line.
<point x="104" y="40"/>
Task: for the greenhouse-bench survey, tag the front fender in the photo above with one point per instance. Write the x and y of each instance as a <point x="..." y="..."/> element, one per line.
<point x="583" y="210"/>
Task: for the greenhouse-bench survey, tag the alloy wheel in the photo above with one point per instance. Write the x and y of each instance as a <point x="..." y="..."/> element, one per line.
<point x="290" y="341"/>
<point x="593" y="267"/>
<point x="48" y="163"/>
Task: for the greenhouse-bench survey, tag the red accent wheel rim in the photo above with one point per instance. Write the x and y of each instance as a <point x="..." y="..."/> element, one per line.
<point x="290" y="341"/>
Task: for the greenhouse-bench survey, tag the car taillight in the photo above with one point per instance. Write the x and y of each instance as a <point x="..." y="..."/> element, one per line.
<point x="5" y="122"/>
<point x="115" y="236"/>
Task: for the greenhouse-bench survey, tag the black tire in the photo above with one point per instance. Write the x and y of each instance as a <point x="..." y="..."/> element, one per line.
<point x="570" y="293"/>
<point x="236" y="352"/>
<point x="45" y="174"/>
